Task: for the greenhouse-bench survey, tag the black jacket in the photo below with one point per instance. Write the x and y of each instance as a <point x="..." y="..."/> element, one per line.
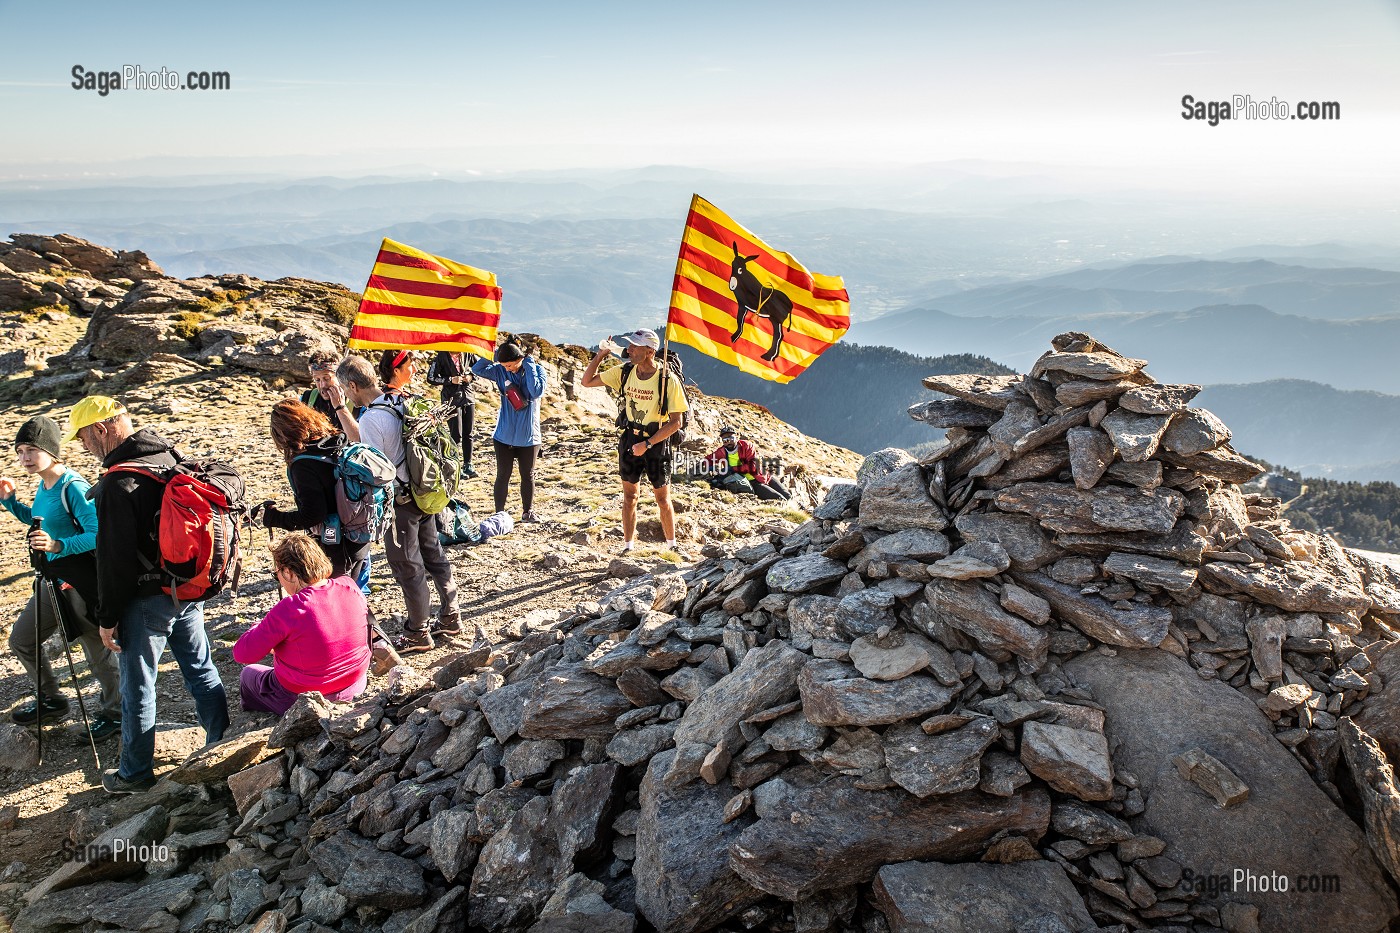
<point x="444" y="368"/>
<point x="127" y="504"/>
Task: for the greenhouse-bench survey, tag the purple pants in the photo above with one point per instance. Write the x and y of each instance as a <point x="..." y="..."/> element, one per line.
<point x="263" y="692"/>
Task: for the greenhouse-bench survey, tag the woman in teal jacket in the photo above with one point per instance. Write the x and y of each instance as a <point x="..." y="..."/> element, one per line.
<point x="521" y="380"/>
<point x="66" y="540"/>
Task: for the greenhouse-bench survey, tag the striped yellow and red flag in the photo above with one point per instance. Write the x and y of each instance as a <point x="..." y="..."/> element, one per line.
<point x="419" y="301"/>
<point x="789" y="316"/>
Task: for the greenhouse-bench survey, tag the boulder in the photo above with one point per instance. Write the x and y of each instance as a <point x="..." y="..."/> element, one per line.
<point x="1157" y="707"/>
<point x="684" y="879"/>
<point x="899" y="500"/>
<point x="834" y="834"/>
<point x="1194" y="431"/>
<point x="979" y="898"/>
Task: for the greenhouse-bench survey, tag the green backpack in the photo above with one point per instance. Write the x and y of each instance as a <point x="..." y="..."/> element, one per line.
<point x="433" y="459"/>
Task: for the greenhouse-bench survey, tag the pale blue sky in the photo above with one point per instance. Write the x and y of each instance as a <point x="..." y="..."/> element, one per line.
<point x="495" y="87"/>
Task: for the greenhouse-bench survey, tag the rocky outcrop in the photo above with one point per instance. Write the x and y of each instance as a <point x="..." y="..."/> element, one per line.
<point x="1047" y="678"/>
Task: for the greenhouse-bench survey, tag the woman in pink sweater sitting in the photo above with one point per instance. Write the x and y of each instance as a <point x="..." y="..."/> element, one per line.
<point x="318" y="635"/>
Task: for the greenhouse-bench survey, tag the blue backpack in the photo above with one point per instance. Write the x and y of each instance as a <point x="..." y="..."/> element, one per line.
<point x="364" y="491"/>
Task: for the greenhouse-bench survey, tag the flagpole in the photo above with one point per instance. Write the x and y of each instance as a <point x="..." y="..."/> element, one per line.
<point x="369" y="278"/>
<point x="680" y="257"/>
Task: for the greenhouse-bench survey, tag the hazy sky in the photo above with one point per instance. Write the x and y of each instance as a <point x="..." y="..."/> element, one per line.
<point x="496" y="86"/>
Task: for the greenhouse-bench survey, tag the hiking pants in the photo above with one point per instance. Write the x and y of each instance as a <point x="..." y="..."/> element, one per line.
<point x="415" y="554"/>
<point x="149" y="624"/>
<point x="462" y="426"/>
<point x="507" y="456"/>
<point x="28" y="649"/>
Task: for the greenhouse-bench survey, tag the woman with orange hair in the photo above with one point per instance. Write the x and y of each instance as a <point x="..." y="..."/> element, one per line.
<point x="309" y="444"/>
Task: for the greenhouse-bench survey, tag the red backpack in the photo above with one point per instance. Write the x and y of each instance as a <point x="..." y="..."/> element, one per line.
<point x="197" y="526"/>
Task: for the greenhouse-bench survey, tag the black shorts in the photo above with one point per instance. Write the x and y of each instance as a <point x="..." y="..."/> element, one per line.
<point x="656" y="463"/>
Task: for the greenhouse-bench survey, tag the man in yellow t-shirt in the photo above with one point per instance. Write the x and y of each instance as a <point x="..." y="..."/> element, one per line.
<point x="644" y="446"/>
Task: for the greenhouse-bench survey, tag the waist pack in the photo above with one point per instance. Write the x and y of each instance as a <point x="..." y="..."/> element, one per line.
<point x="433" y="459"/>
<point x="196" y="527"/>
<point x="364" y="491"/>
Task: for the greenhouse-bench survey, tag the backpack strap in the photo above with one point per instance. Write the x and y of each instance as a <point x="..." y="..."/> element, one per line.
<point x="68" y="506"/>
<point x="314" y="396"/>
<point x="153" y="571"/>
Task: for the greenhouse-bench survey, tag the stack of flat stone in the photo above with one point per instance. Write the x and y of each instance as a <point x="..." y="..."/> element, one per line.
<point x="1060" y="675"/>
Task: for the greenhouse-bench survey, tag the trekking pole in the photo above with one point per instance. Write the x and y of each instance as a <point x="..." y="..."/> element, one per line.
<point x="36" y="560"/>
<point x="57" y="605"/>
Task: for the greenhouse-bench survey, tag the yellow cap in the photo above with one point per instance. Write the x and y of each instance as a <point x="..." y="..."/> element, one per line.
<point x="91" y="410"/>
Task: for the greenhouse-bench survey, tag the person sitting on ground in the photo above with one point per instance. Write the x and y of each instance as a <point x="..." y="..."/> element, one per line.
<point x="309" y="445"/>
<point x="318" y="634"/>
<point x="734" y="466"/>
<point x="327" y="397"/>
<point x="452" y="371"/>
<point x="67" y="539"/>
<point x="521" y="380"/>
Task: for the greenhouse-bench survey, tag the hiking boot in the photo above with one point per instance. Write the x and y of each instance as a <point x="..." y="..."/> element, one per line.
<point x="114" y="783"/>
<point x="103" y="726"/>
<point x="410" y="642"/>
<point x="55" y="709"/>
<point x="531" y="516"/>
<point x="449" y="624"/>
<point x="469" y="471"/>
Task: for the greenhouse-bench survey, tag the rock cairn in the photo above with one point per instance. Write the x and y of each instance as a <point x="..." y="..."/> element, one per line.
<point x="1061" y="675"/>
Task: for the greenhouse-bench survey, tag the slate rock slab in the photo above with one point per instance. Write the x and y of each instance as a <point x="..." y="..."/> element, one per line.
<point x="945" y="763"/>
<point x="1157" y="707"/>
<point x="971" y="609"/>
<point x="1142" y="626"/>
<point x="1073" y="761"/>
<point x="685" y="882"/>
<point x="804" y="574"/>
<point x="567" y="703"/>
<point x="834" y="834"/>
<point x="897" y="501"/>
<point x="920" y="897"/>
<point x="834" y="694"/>
<point x="1062" y="507"/>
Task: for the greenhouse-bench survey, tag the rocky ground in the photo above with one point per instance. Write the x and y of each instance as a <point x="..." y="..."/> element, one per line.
<point x="70" y="329"/>
<point x="1061" y="674"/>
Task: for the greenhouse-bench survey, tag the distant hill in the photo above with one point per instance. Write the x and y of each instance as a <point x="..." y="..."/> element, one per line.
<point x="1211" y="344"/>
<point x="852" y="396"/>
<point x="1331" y="293"/>
<point x="1316" y="429"/>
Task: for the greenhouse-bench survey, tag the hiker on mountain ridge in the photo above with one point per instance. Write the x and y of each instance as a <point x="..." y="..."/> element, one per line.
<point x="521" y="381"/>
<point x="453" y="372"/>
<point x="644" y="446"/>
<point x="327" y="397"/>
<point x="138" y="620"/>
<point x="412" y="544"/>
<point x="309" y="445"/>
<point x="67" y="541"/>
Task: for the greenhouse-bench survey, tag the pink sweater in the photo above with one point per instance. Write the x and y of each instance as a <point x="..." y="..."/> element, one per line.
<point x="320" y="638"/>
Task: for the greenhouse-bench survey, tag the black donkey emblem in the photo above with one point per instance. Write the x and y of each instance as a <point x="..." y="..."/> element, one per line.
<point x="762" y="300"/>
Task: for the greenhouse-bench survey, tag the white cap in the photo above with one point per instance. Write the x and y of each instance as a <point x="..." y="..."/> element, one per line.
<point x="642" y="338"/>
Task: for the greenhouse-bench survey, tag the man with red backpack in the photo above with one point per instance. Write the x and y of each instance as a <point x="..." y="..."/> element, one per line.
<point x="136" y="611"/>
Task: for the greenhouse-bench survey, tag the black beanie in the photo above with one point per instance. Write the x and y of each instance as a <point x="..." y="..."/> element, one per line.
<point x="508" y="352"/>
<point x="43" y="433"/>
